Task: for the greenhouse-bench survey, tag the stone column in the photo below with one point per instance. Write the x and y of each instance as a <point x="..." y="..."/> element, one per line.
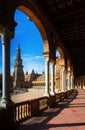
<point x="77" y="84"/>
<point x="63" y="79"/>
<point x="5" y="37"/>
<point x="83" y="83"/>
<point x="52" y="91"/>
<point x="80" y="84"/>
<point x="68" y="81"/>
<point x="46" y="77"/>
<point x="71" y="81"/>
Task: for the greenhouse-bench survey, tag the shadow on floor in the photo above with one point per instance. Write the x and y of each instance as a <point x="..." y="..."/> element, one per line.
<point x="40" y="122"/>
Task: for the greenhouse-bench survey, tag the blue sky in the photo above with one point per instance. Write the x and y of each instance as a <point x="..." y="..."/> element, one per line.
<point x="31" y="44"/>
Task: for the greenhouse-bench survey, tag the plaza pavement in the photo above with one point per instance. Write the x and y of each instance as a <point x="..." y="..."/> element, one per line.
<point x="31" y="94"/>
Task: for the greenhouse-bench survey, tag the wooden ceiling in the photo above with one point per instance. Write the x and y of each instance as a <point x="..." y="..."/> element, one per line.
<point x="68" y="18"/>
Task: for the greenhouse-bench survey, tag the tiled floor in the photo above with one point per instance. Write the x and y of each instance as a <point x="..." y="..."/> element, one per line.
<point x="67" y="115"/>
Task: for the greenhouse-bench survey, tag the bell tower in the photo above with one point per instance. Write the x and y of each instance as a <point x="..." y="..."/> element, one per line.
<point x="18" y="76"/>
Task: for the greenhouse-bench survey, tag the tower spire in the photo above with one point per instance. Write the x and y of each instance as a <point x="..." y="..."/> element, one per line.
<point x="18" y="69"/>
<point x="18" y="52"/>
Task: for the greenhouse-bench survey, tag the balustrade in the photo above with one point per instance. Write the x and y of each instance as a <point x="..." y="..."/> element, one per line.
<point x="19" y="112"/>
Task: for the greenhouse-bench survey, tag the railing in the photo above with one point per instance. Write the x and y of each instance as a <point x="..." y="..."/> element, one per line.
<point x="21" y="111"/>
<point x="17" y="113"/>
<point x="43" y="104"/>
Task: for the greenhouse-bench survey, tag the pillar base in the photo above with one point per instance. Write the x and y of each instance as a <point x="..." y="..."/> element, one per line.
<point x="52" y="93"/>
<point x="69" y="89"/>
<point x="6" y="103"/>
<point x="62" y="90"/>
<point x="47" y="94"/>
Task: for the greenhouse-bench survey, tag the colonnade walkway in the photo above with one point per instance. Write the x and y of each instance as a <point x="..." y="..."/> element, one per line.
<point x="66" y="115"/>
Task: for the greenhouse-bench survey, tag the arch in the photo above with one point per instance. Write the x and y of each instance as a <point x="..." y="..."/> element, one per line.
<point x="60" y="63"/>
<point x="61" y="52"/>
<point x="32" y="16"/>
<point x="68" y="64"/>
<point x="62" y="56"/>
<point x="57" y="54"/>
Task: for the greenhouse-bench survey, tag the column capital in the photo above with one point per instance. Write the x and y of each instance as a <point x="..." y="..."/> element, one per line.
<point x="68" y="72"/>
<point x="46" y="55"/>
<point x="5" y="34"/>
<point x="71" y="73"/>
<point x="52" y="62"/>
<point x="63" y="67"/>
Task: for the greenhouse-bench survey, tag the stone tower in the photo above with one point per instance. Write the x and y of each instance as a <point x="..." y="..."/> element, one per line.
<point x="18" y="76"/>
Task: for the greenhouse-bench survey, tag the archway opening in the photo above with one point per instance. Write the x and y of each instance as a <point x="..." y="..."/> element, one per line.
<point x="58" y="54"/>
<point x="31" y="48"/>
<point x="30" y="40"/>
<point x="60" y="61"/>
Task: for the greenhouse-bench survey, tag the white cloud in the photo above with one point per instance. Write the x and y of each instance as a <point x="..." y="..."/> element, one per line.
<point x="38" y="57"/>
<point x="39" y="68"/>
<point x="30" y="62"/>
<point x="12" y="70"/>
<point x="27" y="57"/>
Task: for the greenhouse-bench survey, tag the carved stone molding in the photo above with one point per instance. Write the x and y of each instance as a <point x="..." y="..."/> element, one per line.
<point x="5" y="34"/>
